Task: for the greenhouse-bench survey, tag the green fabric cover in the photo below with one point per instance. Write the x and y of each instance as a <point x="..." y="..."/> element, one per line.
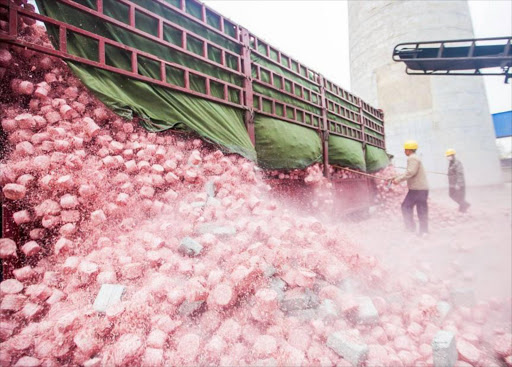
<point x="376" y="159"/>
<point x="161" y="108"/>
<point x="282" y="145"/>
<point x="346" y="153"/>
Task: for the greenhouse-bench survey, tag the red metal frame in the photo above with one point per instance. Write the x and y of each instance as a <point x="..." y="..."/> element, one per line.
<point x="366" y="116"/>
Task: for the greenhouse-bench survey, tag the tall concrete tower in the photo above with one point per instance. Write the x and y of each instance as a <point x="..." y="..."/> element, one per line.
<point x="439" y="112"/>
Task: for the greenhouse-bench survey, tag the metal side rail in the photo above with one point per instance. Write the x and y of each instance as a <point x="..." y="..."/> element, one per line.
<point x="457" y="57"/>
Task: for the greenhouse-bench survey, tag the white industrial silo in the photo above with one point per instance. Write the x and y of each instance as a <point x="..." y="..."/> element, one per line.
<point x="438" y="111"/>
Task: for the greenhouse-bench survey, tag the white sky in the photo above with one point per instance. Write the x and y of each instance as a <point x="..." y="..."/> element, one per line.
<point x="296" y="28"/>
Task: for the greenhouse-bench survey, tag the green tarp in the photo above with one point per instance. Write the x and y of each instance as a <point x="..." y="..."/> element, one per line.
<point x="346" y="153"/>
<point x="282" y="145"/>
<point x="376" y="159"/>
<point x="279" y="144"/>
<point x="161" y="108"/>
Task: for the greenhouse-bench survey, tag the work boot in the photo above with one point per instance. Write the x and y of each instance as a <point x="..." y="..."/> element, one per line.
<point x="464" y="207"/>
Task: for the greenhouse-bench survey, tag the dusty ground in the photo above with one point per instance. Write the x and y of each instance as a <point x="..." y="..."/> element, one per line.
<point x="474" y="253"/>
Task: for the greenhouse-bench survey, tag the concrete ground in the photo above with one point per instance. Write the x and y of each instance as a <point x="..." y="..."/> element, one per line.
<point x="475" y="252"/>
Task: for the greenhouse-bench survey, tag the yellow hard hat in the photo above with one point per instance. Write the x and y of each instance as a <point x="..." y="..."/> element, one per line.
<point x="411" y="144"/>
<point x="450" y="152"/>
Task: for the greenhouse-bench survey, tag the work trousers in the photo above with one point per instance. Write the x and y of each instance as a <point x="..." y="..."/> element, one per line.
<point x="416" y="198"/>
<point x="459" y="196"/>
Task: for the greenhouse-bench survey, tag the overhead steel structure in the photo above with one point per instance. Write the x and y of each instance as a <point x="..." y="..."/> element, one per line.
<point x="457" y="57"/>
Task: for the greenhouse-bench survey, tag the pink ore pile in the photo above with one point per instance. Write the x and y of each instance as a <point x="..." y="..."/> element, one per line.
<point x="99" y="200"/>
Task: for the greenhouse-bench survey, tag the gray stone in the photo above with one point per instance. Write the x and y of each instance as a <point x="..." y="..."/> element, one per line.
<point x="213" y="202"/>
<point x="190" y="247"/>
<point x="296" y="299"/>
<point x="189" y="308"/>
<point x="108" y="295"/>
<point x="444" y="349"/>
<point x="443" y="308"/>
<point x="198" y="204"/>
<point x="278" y="285"/>
<point x="269" y="271"/>
<point x="304" y="315"/>
<point x="367" y="314"/>
<point x="216" y="229"/>
<point x="210" y="189"/>
<point x="328" y="310"/>
<point x="346" y="348"/>
<point x="463" y="297"/>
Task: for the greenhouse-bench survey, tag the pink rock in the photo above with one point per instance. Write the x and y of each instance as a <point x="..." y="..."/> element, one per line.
<point x="9" y="125"/>
<point x="41" y="93"/>
<point x="38" y="292"/>
<point x="264" y="346"/>
<point x="69" y="201"/>
<point x="25" y="148"/>
<point x="147" y="192"/>
<point x="87" y="191"/>
<point x="26" y="180"/>
<point x="503" y="345"/>
<point x="11" y="286"/>
<point x="86" y="342"/>
<point x="153" y="357"/>
<point x="468" y="352"/>
<point x="101" y="114"/>
<point x="21" y="217"/>
<point x="93" y="362"/>
<point x="14" y="191"/>
<point x="26" y="87"/>
<point x="127" y="349"/>
<point x="70" y="216"/>
<point x="132" y="271"/>
<point x="12" y="302"/>
<point x="31" y="311"/>
<point x="25" y="121"/>
<point x="98" y="217"/>
<point x="66" y="111"/>
<point x="403" y="342"/>
<point x="67" y="322"/>
<point x="7" y="248"/>
<point x="7" y="329"/>
<point x="24" y="273"/>
<point x="157" y="339"/>
<point x="42" y="162"/>
<point x="266" y="299"/>
<point x="230" y="330"/>
<point x="31" y="248"/>
<point x="71" y="264"/>
<point x="50" y="221"/>
<point x="90" y="127"/>
<point x="62" y="145"/>
<point x="63" y="245"/>
<point x="65" y="182"/>
<point x="106" y="277"/>
<point x="28" y="362"/>
<point x="5" y="58"/>
<point x="52" y="117"/>
<point x="47" y="207"/>
<point x="188" y="348"/>
<point x="87" y="270"/>
<point x="222" y="295"/>
<point x="50" y="78"/>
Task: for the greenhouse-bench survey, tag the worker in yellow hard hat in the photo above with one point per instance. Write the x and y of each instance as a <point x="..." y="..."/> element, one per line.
<point x="418" y="190"/>
<point x="456" y="181"/>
